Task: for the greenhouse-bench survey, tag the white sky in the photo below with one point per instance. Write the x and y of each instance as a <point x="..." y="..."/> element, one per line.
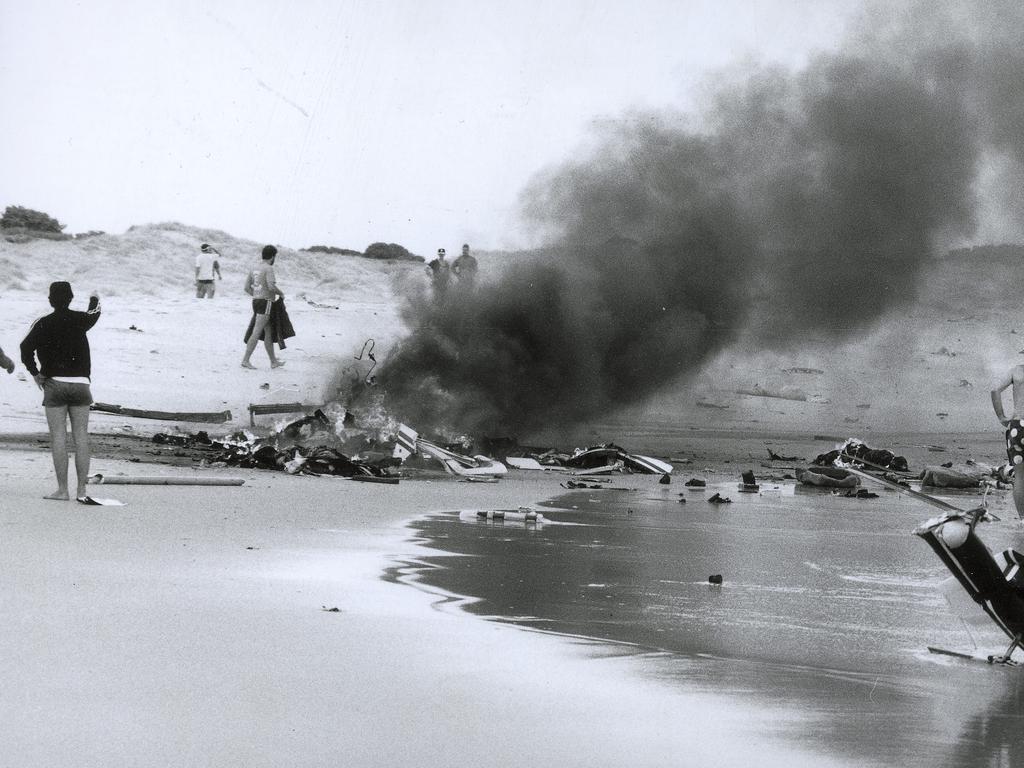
<point x="343" y="123"/>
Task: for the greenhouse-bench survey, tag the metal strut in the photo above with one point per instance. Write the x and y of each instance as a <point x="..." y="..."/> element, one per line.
<point x="1005" y="658"/>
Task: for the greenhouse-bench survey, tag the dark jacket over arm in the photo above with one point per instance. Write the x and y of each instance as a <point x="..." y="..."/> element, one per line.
<point x="59" y="341"/>
<point x="279" y="325"/>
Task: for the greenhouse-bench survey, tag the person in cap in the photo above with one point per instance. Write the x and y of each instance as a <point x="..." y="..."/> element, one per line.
<point x="207" y="267"/>
<point x="56" y="353"/>
<point x="464" y="268"/>
<point x="261" y="284"/>
<point x="439" y="273"/>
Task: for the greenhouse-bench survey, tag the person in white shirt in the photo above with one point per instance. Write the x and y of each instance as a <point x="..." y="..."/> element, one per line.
<point x="207" y="267"/>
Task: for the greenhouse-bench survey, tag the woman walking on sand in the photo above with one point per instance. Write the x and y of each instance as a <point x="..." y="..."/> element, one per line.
<point x="60" y="343"/>
<point x="261" y="284"/>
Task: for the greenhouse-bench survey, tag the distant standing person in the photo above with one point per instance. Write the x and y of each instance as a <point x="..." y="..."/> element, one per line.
<point x="1014" y="428"/>
<point x="206" y="267"/>
<point x="6" y="363"/>
<point x="439" y="273"/>
<point x="261" y="284"/>
<point x="464" y="268"/>
<point x="59" y="342"/>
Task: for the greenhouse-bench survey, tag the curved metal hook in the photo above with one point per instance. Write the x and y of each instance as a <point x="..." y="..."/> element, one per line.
<point x="367" y="349"/>
<point x="368" y="353"/>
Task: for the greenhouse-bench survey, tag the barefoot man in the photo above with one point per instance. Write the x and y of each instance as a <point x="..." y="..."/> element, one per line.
<point x="261" y="284"/>
<point x="59" y="341"/>
<point x="1014" y="428"/>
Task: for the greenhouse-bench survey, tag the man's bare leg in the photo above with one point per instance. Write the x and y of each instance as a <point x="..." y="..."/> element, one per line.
<point x="269" y="346"/>
<point x="250" y="345"/>
<point x="56" y="419"/>
<point x="80" y="434"/>
<point x="1018" y="489"/>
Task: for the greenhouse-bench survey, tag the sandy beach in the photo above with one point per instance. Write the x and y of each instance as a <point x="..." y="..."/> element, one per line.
<point x="189" y="628"/>
<point x="717" y="244"/>
<point x="196" y="625"/>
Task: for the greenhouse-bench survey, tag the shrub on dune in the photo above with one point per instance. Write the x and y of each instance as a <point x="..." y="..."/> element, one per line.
<point x="28" y="221"/>
<point x="389" y="251"/>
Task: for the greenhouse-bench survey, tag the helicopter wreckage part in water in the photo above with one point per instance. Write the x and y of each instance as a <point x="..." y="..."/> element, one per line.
<point x="520" y="515"/>
<point x="997" y="590"/>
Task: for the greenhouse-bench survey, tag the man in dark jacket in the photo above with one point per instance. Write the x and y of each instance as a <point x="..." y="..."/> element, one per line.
<point x="464" y="268"/>
<point x="59" y="342"/>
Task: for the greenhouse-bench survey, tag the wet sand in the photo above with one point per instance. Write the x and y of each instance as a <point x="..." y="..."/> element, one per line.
<point x="826" y="607"/>
<point x="194" y="626"/>
<point x="189" y="627"/>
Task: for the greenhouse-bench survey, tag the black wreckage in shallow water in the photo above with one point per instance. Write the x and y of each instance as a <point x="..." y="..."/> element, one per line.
<point x="854" y="449"/>
<point x="995" y="585"/>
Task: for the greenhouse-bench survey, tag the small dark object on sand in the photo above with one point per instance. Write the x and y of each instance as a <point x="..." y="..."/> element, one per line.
<point x="716" y="499"/>
<point x="861" y="493"/>
<point x="335" y="609"/>
<point x="715" y="578"/>
<point x="695" y="482"/>
<point x="665" y="480"/>
<point x="894" y="478"/>
<point x="682" y="500"/>
<point x="749" y="482"/>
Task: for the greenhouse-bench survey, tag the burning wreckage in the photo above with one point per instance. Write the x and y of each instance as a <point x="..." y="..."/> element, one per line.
<point x="596" y="460"/>
<point x="321" y="445"/>
<point x="357" y="456"/>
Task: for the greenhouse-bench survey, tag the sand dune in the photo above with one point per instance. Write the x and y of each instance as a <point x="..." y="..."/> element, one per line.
<point x="182" y="354"/>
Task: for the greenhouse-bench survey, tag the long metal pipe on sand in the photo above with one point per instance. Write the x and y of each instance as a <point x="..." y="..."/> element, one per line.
<point x="162" y="480"/>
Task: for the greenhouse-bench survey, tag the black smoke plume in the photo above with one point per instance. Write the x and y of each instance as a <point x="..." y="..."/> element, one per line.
<point x="801" y="201"/>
